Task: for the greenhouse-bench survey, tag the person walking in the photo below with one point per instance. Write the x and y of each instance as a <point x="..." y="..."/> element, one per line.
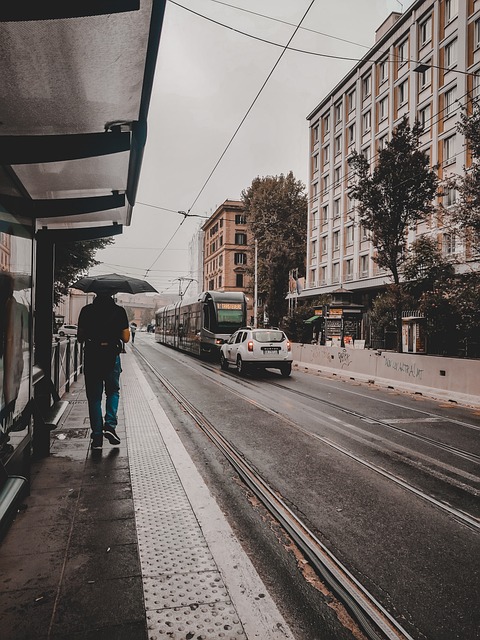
<point x="103" y="327"/>
<point x="133" y="328"/>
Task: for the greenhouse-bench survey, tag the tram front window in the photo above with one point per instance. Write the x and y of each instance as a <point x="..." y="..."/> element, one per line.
<point x="230" y="319"/>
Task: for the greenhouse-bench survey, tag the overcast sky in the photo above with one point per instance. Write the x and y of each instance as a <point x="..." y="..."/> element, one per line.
<point x="207" y="77"/>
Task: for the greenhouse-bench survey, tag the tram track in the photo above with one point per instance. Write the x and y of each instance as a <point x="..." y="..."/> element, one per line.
<point x="472" y="457"/>
<point x="373" y="619"/>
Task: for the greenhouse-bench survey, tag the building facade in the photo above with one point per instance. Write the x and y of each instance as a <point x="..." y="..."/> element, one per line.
<point x="226" y="252"/>
<point x="422" y="66"/>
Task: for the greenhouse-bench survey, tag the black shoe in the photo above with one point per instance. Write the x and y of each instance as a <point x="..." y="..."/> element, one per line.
<point x="111" y="435"/>
<point x="97" y="441"/>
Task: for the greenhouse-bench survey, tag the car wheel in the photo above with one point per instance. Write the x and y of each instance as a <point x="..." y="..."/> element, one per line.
<point x="241" y="366"/>
<point x="223" y="362"/>
<point x="61" y="334"/>
<point x="286" y="370"/>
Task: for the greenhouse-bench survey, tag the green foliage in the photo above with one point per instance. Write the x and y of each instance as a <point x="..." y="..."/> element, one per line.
<point x="72" y="261"/>
<point x="467" y="212"/>
<point x="392" y="199"/>
<point x="425" y="268"/>
<point x="396" y="196"/>
<point x="276" y="208"/>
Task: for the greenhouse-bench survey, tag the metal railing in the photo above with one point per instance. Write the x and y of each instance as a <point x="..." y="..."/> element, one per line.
<point x="67" y="362"/>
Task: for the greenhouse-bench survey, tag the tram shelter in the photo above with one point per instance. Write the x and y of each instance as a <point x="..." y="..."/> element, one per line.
<point x="76" y="86"/>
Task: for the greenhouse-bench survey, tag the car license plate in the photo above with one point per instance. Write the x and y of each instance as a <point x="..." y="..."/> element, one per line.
<point x="271" y="349"/>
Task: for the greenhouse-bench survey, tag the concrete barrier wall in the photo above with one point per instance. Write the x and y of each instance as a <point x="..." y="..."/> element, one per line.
<point x="444" y="378"/>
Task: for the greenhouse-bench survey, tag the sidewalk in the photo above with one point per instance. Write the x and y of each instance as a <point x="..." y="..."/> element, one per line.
<point x="127" y="543"/>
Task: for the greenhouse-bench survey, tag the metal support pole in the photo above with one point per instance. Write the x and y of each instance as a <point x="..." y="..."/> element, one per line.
<point x="43" y="335"/>
<point x="255" y="292"/>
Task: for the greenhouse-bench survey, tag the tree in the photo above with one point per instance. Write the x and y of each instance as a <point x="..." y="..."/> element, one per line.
<point x="72" y="261"/>
<point x="394" y="198"/>
<point x="276" y="209"/>
<point x="467" y="212"/>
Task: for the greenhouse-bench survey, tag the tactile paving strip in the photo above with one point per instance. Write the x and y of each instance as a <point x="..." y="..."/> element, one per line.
<point x="185" y="596"/>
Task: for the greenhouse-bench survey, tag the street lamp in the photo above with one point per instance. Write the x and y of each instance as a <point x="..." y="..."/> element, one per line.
<point x="255" y="287"/>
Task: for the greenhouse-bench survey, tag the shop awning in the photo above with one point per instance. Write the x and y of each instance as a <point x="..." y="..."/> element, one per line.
<point x="76" y="83"/>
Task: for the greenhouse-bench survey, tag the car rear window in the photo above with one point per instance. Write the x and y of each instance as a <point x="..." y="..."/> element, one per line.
<point x="269" y="336"/>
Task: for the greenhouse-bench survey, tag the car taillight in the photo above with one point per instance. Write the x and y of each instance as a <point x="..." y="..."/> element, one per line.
<point x="289" y="346"/>
<point x="250" y="345"/>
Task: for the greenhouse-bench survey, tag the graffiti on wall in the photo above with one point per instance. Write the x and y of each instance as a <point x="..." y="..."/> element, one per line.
<point x="408" y="369"/>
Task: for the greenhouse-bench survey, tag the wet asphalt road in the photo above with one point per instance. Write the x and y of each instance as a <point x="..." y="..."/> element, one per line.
<point x="388" y="482"/>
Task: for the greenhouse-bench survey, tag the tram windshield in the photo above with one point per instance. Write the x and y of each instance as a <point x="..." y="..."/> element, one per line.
<point x="230" y="317"/>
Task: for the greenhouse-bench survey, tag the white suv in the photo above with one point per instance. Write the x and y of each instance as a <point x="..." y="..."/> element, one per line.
<point x="250" y="349"/>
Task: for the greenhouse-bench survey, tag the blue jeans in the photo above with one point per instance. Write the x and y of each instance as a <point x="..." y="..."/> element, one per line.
<point x="94" y="386"/>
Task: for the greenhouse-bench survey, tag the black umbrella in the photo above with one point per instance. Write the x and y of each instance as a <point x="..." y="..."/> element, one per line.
<point x="113" y="283"/>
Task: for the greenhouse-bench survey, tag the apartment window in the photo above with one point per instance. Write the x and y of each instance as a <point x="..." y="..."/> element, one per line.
<point x="325" y="182"/>
<point x="338" y="145"/>
<point x="326" y="123"/>
<point x="314" y="249"/>
<point x="349" y="269"/>
<point x="220" y="241"/>
<point x="363" y="266"/>
<point x="425" y="31"/>
<point x="450" y="101"/>
<point x="451" y="54"/>
<point x="351" y="100"/>
<point x="383" y="109"/>
<point x="338" y="176"/>
<point x="315" y="190"/>
<point x="367" y="121"/>
<point x="382" y="142"/>
<point x="336" y="240"/>
<point x="363" y="233"/>
<point x="424" y="116"/>
<point x="336" y="208"/>
<point x="366" y="153"/>
<point x="424" y="77"/>
<point x="336" y="272"/>
<point x="338" y="113"/>
<point x="449" y="149"/>
<point x="213" y="247"/>
<point x="383" y="71"/>
<point x="325" y="214"/>
<point x="402" y="53"/>
<point x="240" y="258"/>
<point x="211" y="284"/>
<point x="240" y="238"/>
<point x="477" y="33"/>
<point x="315" y="162"/>
<point x="449" y="242"/>
<point x="240" y="218"/>
<point x="326" y="154"/>
<point x="403" y="93"/>
<point x="366" y="86"/>
<point x="220" y="260"/>
<point x="449" y="197"/>
<point x="476" y="86"/>
<point x="323" y="275"/>
<point x="324" y="245"/>
<point x="314" y="219"/>
<point x="451" y="10"/>
<point x="351" y="134"/>
<point x="349" y="235"/>
<point x="239" y="279"/>
<point x="315" y="133"/>
<point x="220" y="281"/>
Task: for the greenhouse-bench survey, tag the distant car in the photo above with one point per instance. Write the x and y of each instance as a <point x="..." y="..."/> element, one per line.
<point x="67" y="330"/>
<point x="251" y="349"/>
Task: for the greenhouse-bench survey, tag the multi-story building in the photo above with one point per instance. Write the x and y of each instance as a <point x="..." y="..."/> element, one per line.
<point x="226" y="254"/>
<point x="424" y="65"/>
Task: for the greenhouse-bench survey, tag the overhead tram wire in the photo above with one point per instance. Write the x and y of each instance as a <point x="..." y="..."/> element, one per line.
<point x="290" y="24"/>
<point x="187" y="213"/>
<point x="285" y="48"/>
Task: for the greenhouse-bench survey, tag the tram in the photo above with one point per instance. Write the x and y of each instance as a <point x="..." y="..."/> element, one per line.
<point x="200" y="327"/>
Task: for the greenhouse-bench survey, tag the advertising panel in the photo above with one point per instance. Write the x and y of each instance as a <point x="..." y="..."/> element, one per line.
<point x="15" y="329"/>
